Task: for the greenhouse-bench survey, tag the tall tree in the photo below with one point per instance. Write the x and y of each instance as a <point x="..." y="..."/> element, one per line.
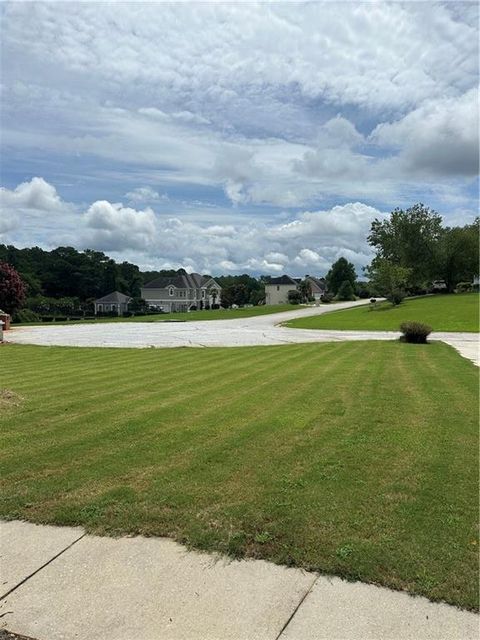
<point x="341" y="270"/>
<point x="305" y="289"/>
<point x="410" y="239"/>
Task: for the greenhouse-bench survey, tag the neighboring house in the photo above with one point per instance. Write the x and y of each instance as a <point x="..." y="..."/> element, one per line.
<point x="318" y="286"/>
<point x="276" y="290"/>
<point x="115" y="301"/>
<point x="181" y="292"/>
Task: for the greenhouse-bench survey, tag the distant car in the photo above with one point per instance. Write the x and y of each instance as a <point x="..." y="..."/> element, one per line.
<point x="439" y="285"/>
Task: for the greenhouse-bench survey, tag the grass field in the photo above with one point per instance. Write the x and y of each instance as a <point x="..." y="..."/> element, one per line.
<point x="358" y="459"/>
<point x="456" y="312"/>
<point x="211" y="314"/>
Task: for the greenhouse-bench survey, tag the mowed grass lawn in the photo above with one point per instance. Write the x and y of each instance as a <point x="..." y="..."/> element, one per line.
<point x="454" y="312"/>
<point x="187" y="316"/>
<point x="358" y="459"/>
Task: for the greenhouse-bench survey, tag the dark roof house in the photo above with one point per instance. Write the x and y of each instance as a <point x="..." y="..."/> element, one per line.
<point x="282" y="280"/>
<point x="181" y="292"/>
<point x="182" y="281"/>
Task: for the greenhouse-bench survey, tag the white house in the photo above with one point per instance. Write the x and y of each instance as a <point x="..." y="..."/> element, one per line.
<point x="181" y="292"/>
<point x="276" y="290"/>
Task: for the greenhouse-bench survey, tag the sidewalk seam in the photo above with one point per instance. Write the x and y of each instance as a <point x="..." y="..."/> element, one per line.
<point x="2" y="597"/>
<point x="294" y="612"/>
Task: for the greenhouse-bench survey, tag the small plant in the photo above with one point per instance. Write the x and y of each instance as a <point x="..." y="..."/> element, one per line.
<point x="415" y="332"/>
<point x="326" y="298"/>
<point x="344" y="552"/>
<point x="262" y="537"/>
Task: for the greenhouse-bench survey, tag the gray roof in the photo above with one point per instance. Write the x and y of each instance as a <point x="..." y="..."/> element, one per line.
<point x="317" y="283"/>
<point x="282" y="280"/>
<point x="116" y="296"/>
<point x="182" y="281"/>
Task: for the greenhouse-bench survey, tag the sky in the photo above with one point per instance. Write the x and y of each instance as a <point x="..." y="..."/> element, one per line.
<point x="234" y="137"/>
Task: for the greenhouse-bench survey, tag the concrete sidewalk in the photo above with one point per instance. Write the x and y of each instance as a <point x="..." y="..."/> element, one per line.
<point x="60" y="584"/>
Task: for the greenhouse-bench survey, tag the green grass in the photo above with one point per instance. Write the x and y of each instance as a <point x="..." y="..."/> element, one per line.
<point x="212" y="314"/>
<point x="455" y="312"/>
<point x="357" y="459"/>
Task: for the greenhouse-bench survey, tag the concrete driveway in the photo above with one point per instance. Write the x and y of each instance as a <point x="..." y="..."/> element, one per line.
<point x="240" y="332"/>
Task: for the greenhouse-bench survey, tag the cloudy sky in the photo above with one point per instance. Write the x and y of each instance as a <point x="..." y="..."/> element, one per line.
<point x="231" y="138"/>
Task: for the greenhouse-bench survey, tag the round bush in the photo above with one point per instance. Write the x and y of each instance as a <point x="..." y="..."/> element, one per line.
<point x="25" y="315"/>
<point x="415" y="332"/>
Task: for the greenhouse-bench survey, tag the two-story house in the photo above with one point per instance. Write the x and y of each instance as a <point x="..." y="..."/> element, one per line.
<point x="276" y="290"/>
<point x="181" y="292"/>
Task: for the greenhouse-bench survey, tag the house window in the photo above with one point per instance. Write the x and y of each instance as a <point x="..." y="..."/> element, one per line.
<point x="203" y="293"/>
<point x="170" y="291"/>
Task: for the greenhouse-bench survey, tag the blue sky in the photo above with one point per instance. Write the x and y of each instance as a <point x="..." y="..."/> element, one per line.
<point x="231" y="138"/>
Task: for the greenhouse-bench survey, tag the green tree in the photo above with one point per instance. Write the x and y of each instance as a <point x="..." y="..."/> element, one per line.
<point x="346" y="291"/>
<point x="410" y="239"/>
<point x="305" y="289"/>
<point x="388" y="279"/>
<point x="341" y="270"/>
<point x="459" y="254"/>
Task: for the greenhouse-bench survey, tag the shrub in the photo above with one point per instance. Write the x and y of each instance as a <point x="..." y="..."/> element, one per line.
<point x="464" y="287"/>
<point x="346" y="291"/>
<point x="363" y="290"/>
<point x="207" y="306"/>
<point x="294" y="297"/>
<point x="415" y="332"/>
<point x="193" y="307"/>
<point x="25" y="315"/>
<point x="215" y="306"/>
<point x="396" y="297"/>
<point x="326" y="298"/>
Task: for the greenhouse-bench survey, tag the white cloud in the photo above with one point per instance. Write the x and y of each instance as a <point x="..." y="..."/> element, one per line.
<point x="270" y="105"/>
<point x="310" y="239"/>
<point x="36" y="194"/>
<point x="210" y="96"/>
<point x="145" y="194"/>
<point x="438" y="138"/>
<point x="111" y="226"/>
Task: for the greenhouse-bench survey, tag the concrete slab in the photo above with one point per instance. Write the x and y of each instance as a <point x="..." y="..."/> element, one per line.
<point x="467" y="344"/>
<point x="340" y="610"/>
<point x="240" y="332"/>
<point x="25" y="547"/>
<point x="120" y="589"/>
